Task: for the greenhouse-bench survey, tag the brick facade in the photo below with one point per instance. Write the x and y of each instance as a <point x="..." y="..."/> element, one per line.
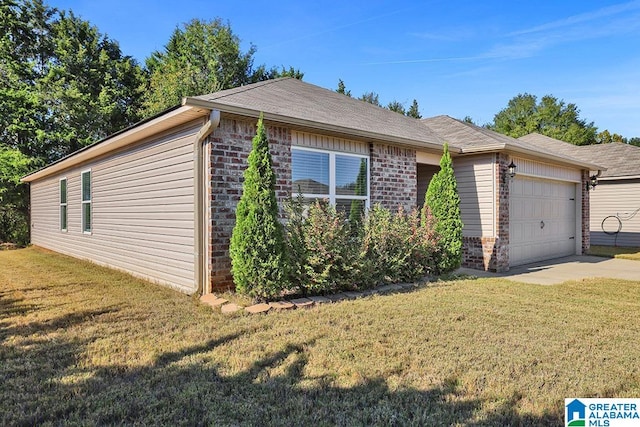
<point x="393" y="176"/>
<point x="229" y="148"/>
<point x="492" y="253"/>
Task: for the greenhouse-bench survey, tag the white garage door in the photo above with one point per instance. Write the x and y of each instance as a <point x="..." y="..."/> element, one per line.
<point x="542" y="220"/>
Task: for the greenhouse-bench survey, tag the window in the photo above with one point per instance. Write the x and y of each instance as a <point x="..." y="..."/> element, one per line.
<point x="343" y="179"/>
<point x="86" y="201"/>
<point x="63" y="204"/>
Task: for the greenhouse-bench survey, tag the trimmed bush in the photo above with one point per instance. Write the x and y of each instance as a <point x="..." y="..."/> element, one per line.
<point x="444" y="202"/>
<point x="258" y="261"/>
<point x="397" y="247"/>
<point x="323" y="250"/>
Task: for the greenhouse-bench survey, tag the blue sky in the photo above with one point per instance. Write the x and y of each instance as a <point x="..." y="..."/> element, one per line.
<point x="455" y="57"/>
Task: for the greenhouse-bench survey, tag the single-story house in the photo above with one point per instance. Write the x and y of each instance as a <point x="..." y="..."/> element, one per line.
<point x="615" y="201"/>
<point x="158" y="199"/>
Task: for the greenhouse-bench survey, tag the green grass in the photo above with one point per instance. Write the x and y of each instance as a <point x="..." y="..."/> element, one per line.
<point x="616" y="252"/>
<point x="80" y="344"/>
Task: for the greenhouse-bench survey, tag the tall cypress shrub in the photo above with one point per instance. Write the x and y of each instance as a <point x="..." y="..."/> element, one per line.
<point x="444" y="202"/>
<point x="258" y="257"/>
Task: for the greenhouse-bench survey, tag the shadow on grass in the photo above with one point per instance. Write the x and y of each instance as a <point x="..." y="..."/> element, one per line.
<point x="10" y="306"/>
<point x="47" y="326"/>
<point x="45" y="384"/>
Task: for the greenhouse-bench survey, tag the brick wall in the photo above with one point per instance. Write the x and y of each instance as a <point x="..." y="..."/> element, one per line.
<point x="229" y="148"/>
<point x="492" y="253"/>
<point x="393" y="176"/>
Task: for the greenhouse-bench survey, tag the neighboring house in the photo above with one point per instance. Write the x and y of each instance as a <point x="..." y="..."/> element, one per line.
<point x="158" y="199"/>
<point x="615" y="202"/>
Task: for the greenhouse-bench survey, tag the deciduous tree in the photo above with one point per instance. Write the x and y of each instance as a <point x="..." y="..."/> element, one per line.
<point x="551" y="117"/>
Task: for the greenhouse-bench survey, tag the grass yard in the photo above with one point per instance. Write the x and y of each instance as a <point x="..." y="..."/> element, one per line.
<point x="616" y="252"/>
<point x="80" y="344"/>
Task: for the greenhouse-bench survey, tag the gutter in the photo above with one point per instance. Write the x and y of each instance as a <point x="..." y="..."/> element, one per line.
<point x="200" y="218"/>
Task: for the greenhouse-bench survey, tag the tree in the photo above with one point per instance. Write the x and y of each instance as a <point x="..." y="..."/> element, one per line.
<point x="202" y="57"/>
<point x="63" y="84"/>
<point x="413" y="110"/>
<point x="342" y="88"/>
<point x="396" y="106"/>
<point x="14" y="208"/>
<point x="90" y="90"/>
<point x="468" y="119"/>
<point x="443" y="201"/>
<point x="257" y="248"/>
<point x="371" y="98"/>
<point x="605" y="137"/>
<point x="635" y="141"/>
<point x="550" y="117"/>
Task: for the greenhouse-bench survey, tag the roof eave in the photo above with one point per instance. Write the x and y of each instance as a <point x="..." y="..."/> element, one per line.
<point x="118" y="140"/>
<point x="520" y="150"/>
<point x="303" y="123"/>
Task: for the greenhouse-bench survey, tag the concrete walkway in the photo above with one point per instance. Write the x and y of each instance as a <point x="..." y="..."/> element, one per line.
<point x="560" y="270"/>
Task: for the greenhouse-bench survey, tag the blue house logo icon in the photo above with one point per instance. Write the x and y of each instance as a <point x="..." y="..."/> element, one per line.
<point x="576" y="413"/>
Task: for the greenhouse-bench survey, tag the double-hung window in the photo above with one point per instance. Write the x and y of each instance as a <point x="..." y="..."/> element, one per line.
<point x="86" y="201"/>
<point x="340" y="178"/>
<point x="63" y="204"/>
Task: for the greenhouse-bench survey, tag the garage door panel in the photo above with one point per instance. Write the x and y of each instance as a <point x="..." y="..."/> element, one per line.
<point x="542" y="220"/>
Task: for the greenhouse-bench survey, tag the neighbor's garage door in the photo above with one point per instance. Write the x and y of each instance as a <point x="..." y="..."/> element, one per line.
<point x="542" y="220"/>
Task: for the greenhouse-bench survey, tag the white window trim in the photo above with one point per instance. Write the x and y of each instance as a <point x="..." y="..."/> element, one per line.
<point x="65" y="204"/>
<point x="332" y="177"/>
<point x="84" y="202"/>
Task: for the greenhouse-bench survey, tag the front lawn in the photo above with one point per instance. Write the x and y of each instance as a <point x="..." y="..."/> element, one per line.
<point x="615" y="252"/>
<point x="85" y="345"/>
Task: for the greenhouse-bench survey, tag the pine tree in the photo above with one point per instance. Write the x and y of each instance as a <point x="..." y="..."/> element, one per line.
<point x="257" y="248"/>
<point x="413" y="110"/>
<point x="443" y="200"/>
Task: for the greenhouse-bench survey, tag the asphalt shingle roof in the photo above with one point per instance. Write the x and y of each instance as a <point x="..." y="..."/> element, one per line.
<point x="472" y="138"/>
<point x="620" y="159"/>
<point x="294" y="99"/>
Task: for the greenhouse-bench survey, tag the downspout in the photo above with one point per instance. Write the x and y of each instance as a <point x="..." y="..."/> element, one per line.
<point x="201" y="199"/>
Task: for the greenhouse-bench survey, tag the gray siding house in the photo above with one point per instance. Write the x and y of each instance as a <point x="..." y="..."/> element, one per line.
<point x="158" y="199"/>
<point x="615" y="202"/>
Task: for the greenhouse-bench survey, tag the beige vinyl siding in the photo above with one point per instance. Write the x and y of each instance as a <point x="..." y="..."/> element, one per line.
<point x="533" y="168"/>
<point x="475" y="179"/>
<point x="616" y="197"/>
<point x="142" y="204"/>
<point x="322" y="142"/>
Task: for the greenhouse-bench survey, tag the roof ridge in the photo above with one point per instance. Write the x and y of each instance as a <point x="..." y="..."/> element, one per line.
<point x="246" y="88"/>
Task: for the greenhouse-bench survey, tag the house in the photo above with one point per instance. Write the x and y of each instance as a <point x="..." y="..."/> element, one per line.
<point x="158" y="199"/>
<point x="615" y="201"/>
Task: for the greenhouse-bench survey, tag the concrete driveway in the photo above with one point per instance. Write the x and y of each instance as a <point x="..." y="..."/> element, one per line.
<point x="560" y="270"/>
